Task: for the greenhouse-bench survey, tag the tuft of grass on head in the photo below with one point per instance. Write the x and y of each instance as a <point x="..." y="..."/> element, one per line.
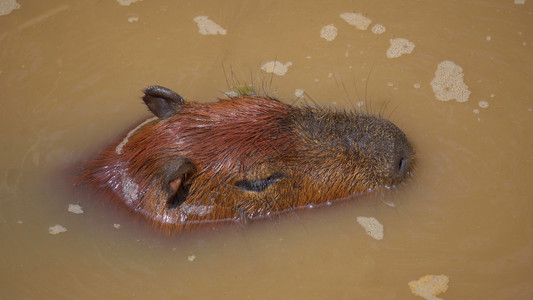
<point x="241" y="91"/>
<point x="245" y="90"/>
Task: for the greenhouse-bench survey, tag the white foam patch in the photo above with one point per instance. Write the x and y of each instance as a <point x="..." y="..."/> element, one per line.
<point x="133" y="19"/>
<point x="56" y="229"/>
<point x="75" y="209"/>
<point x="208" y="27"/>
<point x="429" y="286"/>
<point x="520" y="2"/>
<point x="448" y="83"/>
<point x="127" y="2"/>
<point x="329" y="32"/>
<point x="356" y="19"/>
<point x="276" y="67"/>
<point x="372" y="227"/>
<point x="7" y="6"/>
<point x="200" y="210"/>
<point x="299" y="93"/>
<point x="191" y="257"/>
<point x="378" y="29"/>
<point x="399" y="47"/>
<point x="118" y="149"/>
<point x="483" y="104"/>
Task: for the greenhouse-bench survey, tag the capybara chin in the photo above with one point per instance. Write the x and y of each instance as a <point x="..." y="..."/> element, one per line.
<point x="245" y="157"/>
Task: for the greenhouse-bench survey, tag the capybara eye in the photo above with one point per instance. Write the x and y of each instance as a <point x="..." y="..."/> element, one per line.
<point x="258" y="185"/>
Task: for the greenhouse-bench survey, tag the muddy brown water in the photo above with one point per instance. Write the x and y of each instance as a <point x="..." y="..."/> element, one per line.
<point x="70" y="81"/>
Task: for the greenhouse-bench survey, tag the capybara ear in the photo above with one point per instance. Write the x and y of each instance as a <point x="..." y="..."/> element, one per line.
<point x="162" y="102"/>
<point x="176" y="179"/>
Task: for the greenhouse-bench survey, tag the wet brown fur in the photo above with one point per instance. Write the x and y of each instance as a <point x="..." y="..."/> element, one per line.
<point x="215" y="151"/>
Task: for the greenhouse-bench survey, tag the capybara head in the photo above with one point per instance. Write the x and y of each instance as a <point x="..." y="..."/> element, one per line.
<point x="245" y="157"/>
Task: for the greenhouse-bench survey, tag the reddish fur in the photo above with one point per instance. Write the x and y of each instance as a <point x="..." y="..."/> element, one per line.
<point x="215" y="134"/>
<point x="231" y="140"/>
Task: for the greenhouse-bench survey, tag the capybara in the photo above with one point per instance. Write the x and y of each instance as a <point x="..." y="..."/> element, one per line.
<point x="244" y="158"/>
